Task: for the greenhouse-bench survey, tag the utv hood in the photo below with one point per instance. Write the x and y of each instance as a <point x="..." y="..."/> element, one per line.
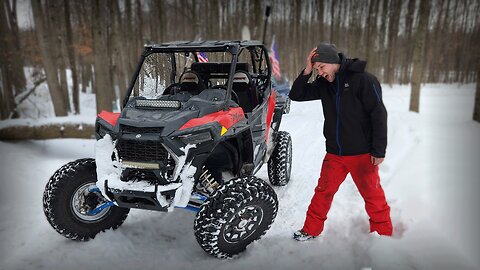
<point x="168" y="120"/>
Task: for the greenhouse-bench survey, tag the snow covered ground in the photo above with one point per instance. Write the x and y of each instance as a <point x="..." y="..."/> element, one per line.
<point x="431" y="177"/>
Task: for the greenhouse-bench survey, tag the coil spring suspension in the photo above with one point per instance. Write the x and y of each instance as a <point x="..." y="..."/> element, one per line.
<point x="207" y="181"/>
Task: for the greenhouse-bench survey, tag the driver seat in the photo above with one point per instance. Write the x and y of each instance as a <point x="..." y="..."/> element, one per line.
<point x="190" y="82"/>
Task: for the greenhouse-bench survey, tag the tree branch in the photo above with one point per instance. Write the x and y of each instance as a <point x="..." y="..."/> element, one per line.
<point x="24" y="95"/>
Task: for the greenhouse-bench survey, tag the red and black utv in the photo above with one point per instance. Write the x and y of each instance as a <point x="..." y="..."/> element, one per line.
<point x="199" y="120"/>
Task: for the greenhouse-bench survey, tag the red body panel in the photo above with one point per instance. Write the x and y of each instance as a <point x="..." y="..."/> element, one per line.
<point x="224" y="118"/>
<point x="110" y="117"/>
<point x="271" y="108"/>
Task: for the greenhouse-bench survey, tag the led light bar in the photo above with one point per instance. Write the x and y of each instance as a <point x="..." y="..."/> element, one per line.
<point x="140" y="165"/>
<point x="155" y="103"/>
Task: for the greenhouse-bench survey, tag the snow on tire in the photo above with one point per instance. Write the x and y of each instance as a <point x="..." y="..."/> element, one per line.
<point x="280" y="162"/>
<point x="237" y="214"/>
<point x="288" y="102"/>
<point x="67" y="196"/>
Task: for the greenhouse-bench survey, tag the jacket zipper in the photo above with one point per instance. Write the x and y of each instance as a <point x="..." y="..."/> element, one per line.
<point x="338" y="115"/>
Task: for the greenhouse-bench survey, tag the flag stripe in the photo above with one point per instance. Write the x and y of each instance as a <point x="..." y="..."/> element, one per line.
<point x="274" y="60"/>
<point x="202" y="57"/>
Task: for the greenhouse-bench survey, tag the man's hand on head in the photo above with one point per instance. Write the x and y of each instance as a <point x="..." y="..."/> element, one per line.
<point x="309" y="64"/>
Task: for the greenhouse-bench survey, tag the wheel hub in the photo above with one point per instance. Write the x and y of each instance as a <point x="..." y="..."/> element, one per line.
<point x="84" y="200"/>
<point x="243" y="224"/>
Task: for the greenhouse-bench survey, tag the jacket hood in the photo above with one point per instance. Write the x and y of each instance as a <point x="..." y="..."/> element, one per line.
<point x="353" y="65"/>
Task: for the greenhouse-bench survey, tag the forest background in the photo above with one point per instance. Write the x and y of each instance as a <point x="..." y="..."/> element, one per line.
<point x="98" y="43"/>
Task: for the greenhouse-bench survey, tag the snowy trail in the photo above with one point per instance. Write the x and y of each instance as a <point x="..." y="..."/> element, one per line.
<point x="430" y="176"/>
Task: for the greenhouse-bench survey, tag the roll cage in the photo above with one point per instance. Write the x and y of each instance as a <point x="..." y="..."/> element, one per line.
<point x="261" y="73"/>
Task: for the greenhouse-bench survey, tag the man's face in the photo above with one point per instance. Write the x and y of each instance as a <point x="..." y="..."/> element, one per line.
<point x="326" y="70"/>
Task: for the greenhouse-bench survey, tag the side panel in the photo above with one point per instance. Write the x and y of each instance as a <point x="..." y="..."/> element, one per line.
<point x="259" y="123"/>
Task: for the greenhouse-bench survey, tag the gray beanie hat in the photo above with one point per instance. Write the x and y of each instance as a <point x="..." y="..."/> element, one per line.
<point x="326" y="53"/>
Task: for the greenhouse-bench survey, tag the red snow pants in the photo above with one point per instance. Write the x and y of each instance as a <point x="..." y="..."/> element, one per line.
<point x="365" y="175"/>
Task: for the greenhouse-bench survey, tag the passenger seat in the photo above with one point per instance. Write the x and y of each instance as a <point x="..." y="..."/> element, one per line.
<point x="242" y="85"/>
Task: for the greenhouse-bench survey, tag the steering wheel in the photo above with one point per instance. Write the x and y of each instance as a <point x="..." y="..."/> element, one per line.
<point x="224" y="87"/>
<point x="171" y="89"/>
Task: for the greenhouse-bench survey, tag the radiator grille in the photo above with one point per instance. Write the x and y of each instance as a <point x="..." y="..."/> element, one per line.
<point x="134" y="150"/>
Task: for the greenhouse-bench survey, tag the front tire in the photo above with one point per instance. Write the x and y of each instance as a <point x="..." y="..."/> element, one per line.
<point x="240" y="212"/>
<point x="280" y="162"/>
<point x="68" y="197"/>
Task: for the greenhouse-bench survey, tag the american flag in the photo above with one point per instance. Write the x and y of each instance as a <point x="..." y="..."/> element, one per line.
<point x="274" y="61"/>
<point x="202" y="57"/>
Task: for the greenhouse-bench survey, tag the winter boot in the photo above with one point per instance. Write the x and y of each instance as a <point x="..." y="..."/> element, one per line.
<point x="302" y="236"/>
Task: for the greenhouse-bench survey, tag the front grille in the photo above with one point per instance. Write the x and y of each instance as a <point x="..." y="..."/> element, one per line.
<point x="140" y="130"/>
<point x="133" y="150"/>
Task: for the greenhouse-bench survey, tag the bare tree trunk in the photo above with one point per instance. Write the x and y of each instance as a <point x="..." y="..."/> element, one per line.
<point x="408" y="40"/>
<point x="71" y="58"/>
<point x="103" y="88"/>
<point x="476" y="59"/>
<point x="332" y="21"/>
<point x="17" y="75"/>
<point x="476" y="108"/>
<point x="129" y="41"/>
<point x="381" y="39"/>
<point x="394" y="16"/>
<point x="7" y="88"/>
<point x="83" y="38"/>
<point x="371" y="30"/>
<point x="56" y="21"/>
<point x="257" y="11"/>
<point x="46" y="47"/>
<point x="118" y="55"/>
<point x="420" y="36"/>
<point x="320" y="10"/>
<point x="156" y="14"/>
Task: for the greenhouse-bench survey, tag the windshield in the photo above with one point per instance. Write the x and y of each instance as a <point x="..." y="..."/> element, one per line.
<point x="180" y="71"/>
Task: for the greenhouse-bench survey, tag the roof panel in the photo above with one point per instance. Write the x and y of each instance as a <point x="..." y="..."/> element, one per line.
<point x="204" y="44"/>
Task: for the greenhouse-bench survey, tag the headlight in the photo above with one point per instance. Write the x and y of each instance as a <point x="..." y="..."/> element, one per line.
<point x="196" y="138"/>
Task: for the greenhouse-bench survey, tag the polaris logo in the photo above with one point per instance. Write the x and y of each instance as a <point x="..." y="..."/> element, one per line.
<point x="138" y="136"/>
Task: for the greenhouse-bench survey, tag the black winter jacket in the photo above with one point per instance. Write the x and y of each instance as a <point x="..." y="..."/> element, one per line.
<point x="355" y="117"/>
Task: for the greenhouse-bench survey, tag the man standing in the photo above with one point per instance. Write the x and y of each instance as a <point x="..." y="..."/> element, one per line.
<point x="355" y="129"/>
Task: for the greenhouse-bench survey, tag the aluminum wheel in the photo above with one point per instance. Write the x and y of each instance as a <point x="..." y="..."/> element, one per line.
<point x="84" y="200"/>
<point x="243" y="224"/>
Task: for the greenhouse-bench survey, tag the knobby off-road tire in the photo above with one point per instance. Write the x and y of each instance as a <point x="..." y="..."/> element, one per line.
<point x="288" y="102"/>
<point x="63" y="192"/>
<point x="280" y="162"/>
<point x="237" y="214"/>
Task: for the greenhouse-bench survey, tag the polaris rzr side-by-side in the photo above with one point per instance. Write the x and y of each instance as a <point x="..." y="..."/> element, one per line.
<point x="191" y="134"/>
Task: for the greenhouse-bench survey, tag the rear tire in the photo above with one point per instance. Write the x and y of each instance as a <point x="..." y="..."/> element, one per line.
<point x="67" y="196"/>
<point x="237" y="214"/>
<point x="280" y="162"/>
<point x="286" y="110"/>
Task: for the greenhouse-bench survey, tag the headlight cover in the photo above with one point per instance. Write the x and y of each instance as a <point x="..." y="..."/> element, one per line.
<point x="196" y="138"/>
